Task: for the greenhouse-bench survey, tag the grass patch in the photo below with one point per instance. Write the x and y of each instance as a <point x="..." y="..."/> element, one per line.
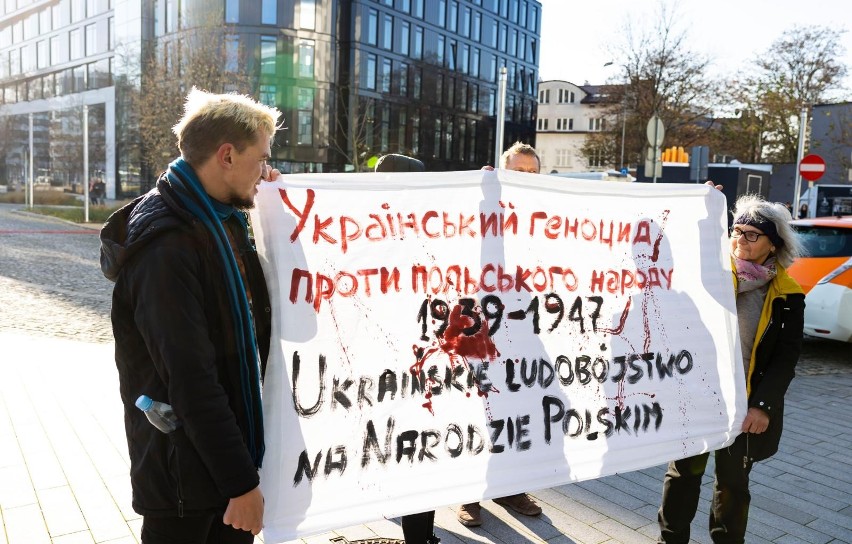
<point x="43" y="198"/>
<point x="97" y="214"/>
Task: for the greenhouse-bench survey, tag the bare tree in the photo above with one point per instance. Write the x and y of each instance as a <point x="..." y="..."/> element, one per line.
<point x="206" y="56"/>
<point x="799" y="69"/>
<point x="660" y="75"/>
<point x="354" y="128"/>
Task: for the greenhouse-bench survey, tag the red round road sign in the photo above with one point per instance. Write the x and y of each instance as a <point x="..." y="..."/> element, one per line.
<point x="812" y="167"/>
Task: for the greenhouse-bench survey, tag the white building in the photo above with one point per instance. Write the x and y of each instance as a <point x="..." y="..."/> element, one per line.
<point x="567" y="114"/>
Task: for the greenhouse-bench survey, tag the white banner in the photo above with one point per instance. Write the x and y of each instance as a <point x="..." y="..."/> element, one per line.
<point x="440" y="338"/>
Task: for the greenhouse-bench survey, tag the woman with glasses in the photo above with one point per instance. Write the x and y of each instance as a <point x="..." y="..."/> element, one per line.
<point x="770" y="310"/>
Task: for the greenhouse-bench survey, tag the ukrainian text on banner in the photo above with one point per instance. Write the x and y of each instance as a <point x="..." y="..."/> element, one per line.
<point x="441" y="338"/>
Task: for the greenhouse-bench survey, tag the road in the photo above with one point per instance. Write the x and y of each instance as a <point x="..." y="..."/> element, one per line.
<point x="51" y="284"/>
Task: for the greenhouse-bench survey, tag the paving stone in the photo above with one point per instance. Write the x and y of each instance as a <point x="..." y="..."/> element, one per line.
<point x="66" y="453"/>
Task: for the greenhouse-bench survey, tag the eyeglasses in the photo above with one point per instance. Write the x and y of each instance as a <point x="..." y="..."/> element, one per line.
<point x="749" y="235"/>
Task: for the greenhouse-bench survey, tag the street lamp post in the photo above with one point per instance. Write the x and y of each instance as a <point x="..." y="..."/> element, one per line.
<point x="501" y="117"/>
<point x="623" y="118"/>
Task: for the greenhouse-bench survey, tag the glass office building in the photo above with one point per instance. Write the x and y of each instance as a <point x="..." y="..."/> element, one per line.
<point x="353" y="79"/>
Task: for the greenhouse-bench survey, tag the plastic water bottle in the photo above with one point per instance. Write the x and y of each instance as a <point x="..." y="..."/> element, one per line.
<point x="159" y="414"/>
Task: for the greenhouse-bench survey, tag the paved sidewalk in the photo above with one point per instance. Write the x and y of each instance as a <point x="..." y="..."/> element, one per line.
<point x="64" y="467"/>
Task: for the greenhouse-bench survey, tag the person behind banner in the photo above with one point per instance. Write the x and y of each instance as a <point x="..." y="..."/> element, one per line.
<point x="770" y="309"/>
<point x="520" y="157"/>
<point x="191" y="320"/>
<point x="416" y="528"/>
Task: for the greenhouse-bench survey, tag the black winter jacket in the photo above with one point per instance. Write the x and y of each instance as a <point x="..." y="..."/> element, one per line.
<point x="774" y="357"/>
<point x="175" y="342"/>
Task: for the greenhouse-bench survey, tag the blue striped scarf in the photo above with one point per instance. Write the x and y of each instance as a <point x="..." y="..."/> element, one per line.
<point x="212" y="214"/>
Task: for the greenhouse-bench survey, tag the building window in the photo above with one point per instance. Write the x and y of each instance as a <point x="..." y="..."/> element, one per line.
<point x="418" y="43"/>
<point x="415" y="133"/>
<point x="232" y="11"/>
<point x="464" y="61"/>
<point x="448" y="139"/>
<point x="570" y="124"/>
<point x="402" y="123"/>
<point x="373" y="27"/>
<point x="308" y="14"/>
<point x="474" y="63"/>
<point x="370" y="73"/>
<point x="504" y="30"/>
<point x="476" y="31"/>
<point x="78" y="10"/>
<point x="386" y="75"/>
<point x="42" y="54"/>
<point x="596" y="124"/>
<point x="436" y="144"/>
<point x="59" y="49"/>
<point x="442" y="13"/>
<point x="232" y="53"/>
<point x="91" y="39"/>
<point x="513" y="43"/>
<point x="387" y="32"/>
<point x="45" y="23"/>
<point x="384" y="129"/>
<point x="269" y="12"/>
<point x="453" y="16"/>
<point x="404" y="38"/>
<point x="471" y="143"/>
<point x="596" y="159"/>
<point x="405" y="6"/>
<point x="306" y="58"/>
<point x="542" y="124"/>
<point x="418" y="84"/>
<point x="451" y="60"/>
<point x="111" y="33"/>
<point x="465" y="23"/>
<point x="305" y="114"/>
<point x="267" y="94"/>
<point x="418" y="8"/>
<point x="532" y="20"/>
<point x="76" y="38"/>
<point x="267" y="54"/>
<point x="440" y="51"/>
<point x="28" y="60"/>
<point x="403" y="79"/>
<point x="563" y="158"/>
<point x="544" y="96"/>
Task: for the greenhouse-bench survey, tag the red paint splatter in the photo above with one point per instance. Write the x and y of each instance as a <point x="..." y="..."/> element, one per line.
<point x="656" y="254"/>
<point x="459" y="347"/>
<point x="455" y="342"/>
<point x="622" y="320"/>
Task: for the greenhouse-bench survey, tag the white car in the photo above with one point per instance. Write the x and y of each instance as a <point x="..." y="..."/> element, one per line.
<point x="825" y="273"/>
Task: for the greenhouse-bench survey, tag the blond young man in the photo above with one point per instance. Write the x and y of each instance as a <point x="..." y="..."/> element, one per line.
<point x="191" y="321"/>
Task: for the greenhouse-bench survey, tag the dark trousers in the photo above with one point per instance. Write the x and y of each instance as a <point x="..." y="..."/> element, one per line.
<point x="207" y="529"/>
<point x="731" y="497"/>
<point x="418" y="528"/>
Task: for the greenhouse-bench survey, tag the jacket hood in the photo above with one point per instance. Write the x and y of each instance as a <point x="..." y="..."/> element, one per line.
<point x="133" y="226"/>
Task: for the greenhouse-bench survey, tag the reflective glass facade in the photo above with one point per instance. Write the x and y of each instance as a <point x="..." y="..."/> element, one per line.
<point x="352" y="79"/>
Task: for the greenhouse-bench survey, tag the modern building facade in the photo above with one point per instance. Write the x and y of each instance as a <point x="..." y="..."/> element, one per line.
<point x="353" y="79"/>
<point x="567" y="115"/>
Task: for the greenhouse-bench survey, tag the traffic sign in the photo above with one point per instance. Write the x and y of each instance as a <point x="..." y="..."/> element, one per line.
<point x="812" y="167"/>
<point x="655" y="131"/>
